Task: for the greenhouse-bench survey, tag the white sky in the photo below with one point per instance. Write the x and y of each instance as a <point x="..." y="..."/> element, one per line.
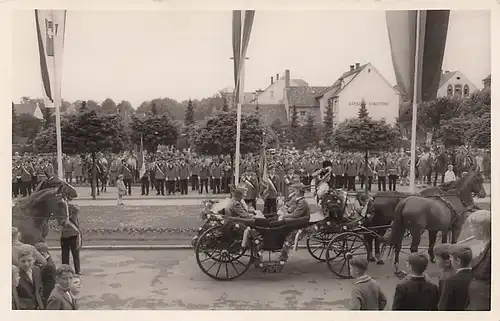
<point x="139" y="56"/>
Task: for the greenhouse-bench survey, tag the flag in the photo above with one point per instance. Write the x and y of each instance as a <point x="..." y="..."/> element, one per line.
<point x="50" y="29"/>
<point x="141" y="163"/>
<point x="402" y="30"/>
<point x="263" y="171"/>
<point x="240" y="46"/>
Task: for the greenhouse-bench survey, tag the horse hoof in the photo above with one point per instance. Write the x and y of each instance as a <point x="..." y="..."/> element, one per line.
<point x="372" y="259"/>
<point x="380" y="262"/>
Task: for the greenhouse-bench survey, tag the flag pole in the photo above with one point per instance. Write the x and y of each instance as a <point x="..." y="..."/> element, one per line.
<point x="57" y="101"/>
<point x="415" y="106"/>
<point x="238" y="124"/>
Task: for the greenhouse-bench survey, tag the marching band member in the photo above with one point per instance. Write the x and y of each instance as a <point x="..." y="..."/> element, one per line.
<point x="172" y="176"/>
<point x="127" y="176"/>
<point x="351" y="172"/>
<point x="184" y="174"/>
<point x="380" y="168"/>
<point x="252" y="185"/>
<point x="194" y="169"/>
<point x="270" y="193"/>
<point x="204" y="176"/>
<point x="392" y="171"/>
<point x="159" y="174"/>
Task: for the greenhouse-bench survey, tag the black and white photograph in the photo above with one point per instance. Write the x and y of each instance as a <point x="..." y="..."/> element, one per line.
<point x="326" y="160"/>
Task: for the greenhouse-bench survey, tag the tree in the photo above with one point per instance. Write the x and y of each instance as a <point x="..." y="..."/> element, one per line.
<point x="225" y="105"/>
<point x="14" y="121"/>
<point x="125" y="110"/>
<point x="108" y="107"/>
<point x="28" y="126"/>
<point x="328" y="123"/>
<point x="91" y="132"/>
<point x="309" y="132"/>
<point x="155" y="130"/>
<point x="154" y="111"/>
<point x="45" y="140"/>
<point x="93" y="105"/>
<point x="280" y="130"/>
<point x="366" y="135"/>
<point x="83" y="107"/>
<point x="216" y="135"/>
<point x="294" y="130"/>
<point x="189" y="117"/>
<point x="363" y="112"/>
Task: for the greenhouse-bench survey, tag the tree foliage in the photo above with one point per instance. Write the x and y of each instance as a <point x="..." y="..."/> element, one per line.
<point x="45" y="140"/>
<point x="365" y="134"/>
<point x="294" y="130"/>
<point x="108" y="107"/>
<point x="28" y="126"/>
<point x="363" y="112"/>
<point x="328" y="123"/>
<point x="189" y="116"/>
<point x="225" y="104"/>
<point x="217" y="134"/>
<point x="309" y="131"/>
<point x="155" y="130"/>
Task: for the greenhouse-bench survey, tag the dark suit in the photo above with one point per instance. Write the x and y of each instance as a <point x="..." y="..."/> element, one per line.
<point x="416" y="294"/>
<point x="237" y="209"/>
<point x="48" y="279"/>
<point x="299" y="208"/>
<point x="455" y="291"/>
<point x="59" y="300"/>
<point x="15" y="300"/>
<point x="30" y="292"/>
<point x="480" y="285"/>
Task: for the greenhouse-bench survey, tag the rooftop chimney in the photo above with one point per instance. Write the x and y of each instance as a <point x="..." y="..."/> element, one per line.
<point x="287" y="78"/>
<point x="352" y="67"/>
<point x="357" y="65"/>
<point x="277" y="76"/>
<point x="272" y="80"/>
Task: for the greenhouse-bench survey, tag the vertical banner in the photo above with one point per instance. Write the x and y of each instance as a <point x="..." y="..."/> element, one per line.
<point x="240" y="45"/>
<point x="50" y="29"/>
<point x="417" y="40"/>
<point x="141" y="163"/>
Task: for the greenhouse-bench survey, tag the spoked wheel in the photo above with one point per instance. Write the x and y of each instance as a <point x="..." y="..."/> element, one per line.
<point x="317" y="244"/>
<point x="219" y="253"/>
<point x="341" y="249"/>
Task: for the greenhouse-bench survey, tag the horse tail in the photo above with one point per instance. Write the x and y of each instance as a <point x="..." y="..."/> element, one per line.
<point x="397" y="227"/>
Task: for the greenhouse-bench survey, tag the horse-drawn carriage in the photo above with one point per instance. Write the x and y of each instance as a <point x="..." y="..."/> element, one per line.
<point x="226" y="247"/>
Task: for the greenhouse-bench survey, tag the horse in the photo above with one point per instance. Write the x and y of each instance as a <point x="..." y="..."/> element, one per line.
<point x="102" y="174"/>
<point x="68" y="191"/>
<point x="439" y="166"/>
<point x="31" y="214"/>
<point x="438" y="213"/>
<point x="382" y="213"/>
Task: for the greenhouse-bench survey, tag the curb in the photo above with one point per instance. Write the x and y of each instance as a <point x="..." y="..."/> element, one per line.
<point x="137" y="247"/>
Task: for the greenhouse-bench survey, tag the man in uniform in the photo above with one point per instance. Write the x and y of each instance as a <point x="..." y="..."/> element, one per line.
<point x="68" y="169"/>
<point x="252" y="186"/>
<point x="204" y="176"/>
<point x="392" y="171"/>
<point x="228" y="176"/>
<point x="381" y="170"/>
<point x="184" y="174"/>
<point x="128" y="175"/>
<point x="195" y="174"/>
<point x="172" y="176"/>
<point x="338" y="171"/>
<point x="159" y="174"/>
<point x="300" y="207"/>
<point x="25" y="179"/>
<point x="145" y="180"/>
<point x="270" y="193"/>
<point x="216" y="173"/>
<point x="351" y="172"/>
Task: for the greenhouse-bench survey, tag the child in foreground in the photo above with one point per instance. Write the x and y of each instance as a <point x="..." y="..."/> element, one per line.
<point x="366" y="294"/>
<point x="61" y="297"/>
<point x="443" y="260"/>
<point x="416" y="293"/>
<point x="121" y="189"/>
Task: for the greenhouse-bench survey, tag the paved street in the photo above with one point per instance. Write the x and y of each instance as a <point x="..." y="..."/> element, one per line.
<point x="172" y="280"/>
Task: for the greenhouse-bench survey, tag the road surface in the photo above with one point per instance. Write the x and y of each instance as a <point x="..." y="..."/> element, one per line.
<point x="171" y="280"/>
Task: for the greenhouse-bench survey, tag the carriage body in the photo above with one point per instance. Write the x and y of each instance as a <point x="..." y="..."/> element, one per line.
<point x="226" y="247"/>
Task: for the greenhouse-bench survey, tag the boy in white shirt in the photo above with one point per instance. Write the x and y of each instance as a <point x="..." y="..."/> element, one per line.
<point x="449" y="176"/>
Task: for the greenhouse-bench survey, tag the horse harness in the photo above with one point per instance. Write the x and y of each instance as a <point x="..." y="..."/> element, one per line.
<point x="456" y="215"/>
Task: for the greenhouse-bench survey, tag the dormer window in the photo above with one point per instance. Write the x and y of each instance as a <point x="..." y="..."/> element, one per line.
<point x="450" y="90"/>
<point x="466" y="90"/>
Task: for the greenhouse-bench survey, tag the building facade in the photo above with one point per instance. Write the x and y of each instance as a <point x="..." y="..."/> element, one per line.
<point x="361" y="82"/>
<point x="29" y="108"/>
<point x="455" y="84"/>
<point x="487" y="82"/>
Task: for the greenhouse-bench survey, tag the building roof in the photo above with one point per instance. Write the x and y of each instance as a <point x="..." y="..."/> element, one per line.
<point x="28" y="108"/>
<point x="338" y="86"/>
<point x="301" y="96"/>
<point x="445" y="77"/>
<point x="268" y="112"/>
<point x="299" y="82"/>
<point x="487" y="78"/>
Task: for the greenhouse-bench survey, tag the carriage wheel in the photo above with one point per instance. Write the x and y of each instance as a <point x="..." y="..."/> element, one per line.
<point x="220" y="256"/>
<point x="317" y="244"/>
<point x="341" y="249"/>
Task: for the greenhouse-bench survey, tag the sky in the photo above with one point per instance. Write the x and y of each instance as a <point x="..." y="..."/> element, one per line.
<point x="141" y="55"/>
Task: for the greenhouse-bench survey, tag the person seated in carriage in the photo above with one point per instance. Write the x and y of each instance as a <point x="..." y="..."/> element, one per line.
<point x="298" y="206"/>
<point x="237" y="207"/>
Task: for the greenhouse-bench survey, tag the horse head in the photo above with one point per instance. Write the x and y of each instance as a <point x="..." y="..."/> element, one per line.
<point x="59" y="207"/>
<point x="472" y="183"/>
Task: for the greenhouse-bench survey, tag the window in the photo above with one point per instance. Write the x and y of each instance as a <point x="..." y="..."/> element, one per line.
<point x="458" y="90"/>
<point x="302" y="113"/>
<point x="466" y="90"/>
<point x="450" y="90"/>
